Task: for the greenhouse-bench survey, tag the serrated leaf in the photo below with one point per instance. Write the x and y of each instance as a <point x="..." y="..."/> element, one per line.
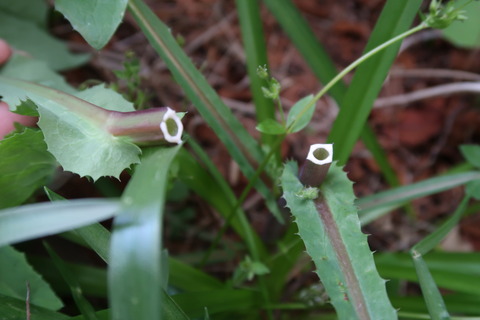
<point x="25" y="166"/>
<point x="27" y="36"/>
<point x="471" y="153"/>
<point x="465" y="33"/>
<point x="304" y="118"/>
<point x="270" y="126"/>
<point x="330" y="229"/>
<point x="11" y="308"/>
<point x="15" y="271"/>
<point x="95" y="20"/>
<point x="77" y="139"/>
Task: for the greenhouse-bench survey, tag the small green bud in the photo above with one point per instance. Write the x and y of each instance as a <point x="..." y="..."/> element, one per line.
<point x="441" y="16"/>
<point x="309" y="193"/>
<point x="262" y="72"/>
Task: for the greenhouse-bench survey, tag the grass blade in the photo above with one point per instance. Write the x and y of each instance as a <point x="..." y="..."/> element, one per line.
<point x="43" y="219"/>
<point x="83" y="305"/>
<point x="396" y="17"/>
<point x="374" y="206"/>
<point x="240" y="144"/>
<point x="256" y="55"/>
<point x="135" y="284"/>
<point x="324" y="69"/>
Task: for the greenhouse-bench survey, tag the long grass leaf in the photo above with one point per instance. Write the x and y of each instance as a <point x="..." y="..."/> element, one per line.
<point x="135" y="284"/>
<point x="256" y="55"/>
<point x="81" y="302"/>
<point x="396" y="17"/>
<point x="240" y="144"/>
<point x="42" y="219"/>
<point x="324" y="69"/>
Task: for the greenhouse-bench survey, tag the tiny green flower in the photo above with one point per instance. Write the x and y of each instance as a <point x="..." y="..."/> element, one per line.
<point x="308" y="193"/>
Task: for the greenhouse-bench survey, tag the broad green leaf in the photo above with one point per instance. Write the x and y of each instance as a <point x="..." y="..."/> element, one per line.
<point x="25" y="166"/>
<point x="14" y="309"/>
<point x="33" y="11"/>
<point x="42" y="219"/>
<point x="82" y="304"/>
<point x="240" y="144"/>
<point x="305" y="118"/>
<point x="270" y="126"/>
<point x="471" y="153"/>
<point x="25" y="35"/>
<point x="106" y="98"/>
<point x="135" y="284"/>
<point x="15" y="271"/>
<point x="95" y="20"/>
<point x="29" y="69"/>
<point x="74" y="130"/>
<point x="465" y="33"/>
<point x="330" y="228"/>
<point x="473" y="189"/>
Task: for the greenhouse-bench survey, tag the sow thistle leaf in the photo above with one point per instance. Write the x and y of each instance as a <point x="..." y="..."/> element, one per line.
<point x="330" y="228"/>
<point x="301" y="121"/>
<point x="25" y="35"/>
<point x="95" y="20"/>
<point x="271" y="126"/>
<point x="74" y="129"/>
<point x="15" y="271"/>
<point x="25" y="166"/>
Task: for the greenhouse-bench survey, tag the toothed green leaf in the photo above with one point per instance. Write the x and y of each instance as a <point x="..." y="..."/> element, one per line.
<point x="330" y="228"/>
<point x="73" y="128"/>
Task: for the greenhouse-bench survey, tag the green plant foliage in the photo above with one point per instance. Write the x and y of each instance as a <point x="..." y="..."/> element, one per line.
<point x="135" y="284"/>
<point x="42" y="219"/>
<point x="330" y="229"/>
<point x="270" y="126"/>
<point x="22" y="25"/>
<point x="13" y="309"/>
<point x="465" y="33"/>
<point x="471" y="153"/>
<point x="295" y="115"/>
<point x="15" y="271"/>
<point x="29" y="69"/>
<point x="25" y="166"/>
<point x="83" y="305"/>
<point x="73" y="129"/>
<point x="95" y="20"/>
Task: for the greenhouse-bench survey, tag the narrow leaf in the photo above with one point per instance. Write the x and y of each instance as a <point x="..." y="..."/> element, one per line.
<point x="95" y="20"/>
<point x="271" y="126"/>
<point x="240" y="144"/>
<point x="135" y="284"/>
<point x="296" y="109"/>
<point x="83" y="305"/>
<point x="396" y="17"/>
<point x="37" y="220"/>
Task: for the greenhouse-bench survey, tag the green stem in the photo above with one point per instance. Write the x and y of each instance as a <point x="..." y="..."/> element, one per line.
<point x="352" y="66"/>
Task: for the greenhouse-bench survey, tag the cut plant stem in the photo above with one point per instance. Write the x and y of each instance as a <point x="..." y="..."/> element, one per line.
<point x="315" y="168"/>
<point x="155" y="125"/>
